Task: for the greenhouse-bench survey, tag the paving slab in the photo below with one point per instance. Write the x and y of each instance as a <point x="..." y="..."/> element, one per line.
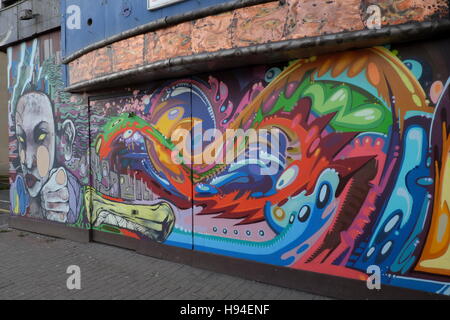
<point x="35" y="267"/>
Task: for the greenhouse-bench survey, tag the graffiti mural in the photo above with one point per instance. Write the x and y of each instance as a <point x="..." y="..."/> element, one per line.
<point x="125" y="198"/>
<point x="330" y="164"/>
<point x="352" y="181"/>
<point x="47" y="151"/>
<point x="436" y="254"/>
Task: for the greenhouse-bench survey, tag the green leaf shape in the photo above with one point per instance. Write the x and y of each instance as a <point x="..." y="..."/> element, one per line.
<point x="356" y="109"/>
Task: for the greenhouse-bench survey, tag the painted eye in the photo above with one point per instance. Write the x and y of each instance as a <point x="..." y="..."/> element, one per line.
<point x="272" y="74"/>
<point x="324" y="196"/>
<point x="415" y="67"/>
<point x="128" y="134"/>
<point x="42" y="137"/>
<point x="287" y="177"/>
<point x="279" y="214"/>
<point x="304" y="213"/>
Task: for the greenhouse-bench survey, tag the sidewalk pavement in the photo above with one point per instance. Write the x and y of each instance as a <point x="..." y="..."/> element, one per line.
<point x="4" y="207"/>
<point x="34" y="267"/>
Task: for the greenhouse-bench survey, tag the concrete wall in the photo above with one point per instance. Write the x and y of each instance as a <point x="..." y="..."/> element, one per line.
<point x="44" y="16"/>
<point x="3" y="115"/>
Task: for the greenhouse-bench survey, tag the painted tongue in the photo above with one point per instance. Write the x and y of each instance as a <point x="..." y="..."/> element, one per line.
<point x="30" y="180"/>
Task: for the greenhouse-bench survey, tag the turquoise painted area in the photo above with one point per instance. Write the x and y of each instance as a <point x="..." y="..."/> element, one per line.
<point x="396" y="238"/>
<point x="401" y="198"/>
<point x="295" y="234"/>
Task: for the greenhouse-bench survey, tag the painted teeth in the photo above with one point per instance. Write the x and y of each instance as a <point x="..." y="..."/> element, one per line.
<point x="114" y="220"/>
<point x="122" y="222"/>
<point x="111" y="219"/>
<point x="130" y="225"/>
<point x="99" y="221"/>
<point x="101" y="218"/>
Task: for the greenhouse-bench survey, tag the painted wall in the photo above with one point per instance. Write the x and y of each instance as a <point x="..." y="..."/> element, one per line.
<point x="344" y="166"/>
<point x="47" y="135"/>
<point x="3" y="116"/>
<point x="13" y="30"/>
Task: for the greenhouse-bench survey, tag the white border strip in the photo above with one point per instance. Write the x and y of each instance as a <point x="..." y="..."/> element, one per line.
<point x="156" y="4"/>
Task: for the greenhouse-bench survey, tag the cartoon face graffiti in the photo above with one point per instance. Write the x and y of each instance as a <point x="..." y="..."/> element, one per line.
<point x="52" y="189"/>
<point x="35" y="129"/>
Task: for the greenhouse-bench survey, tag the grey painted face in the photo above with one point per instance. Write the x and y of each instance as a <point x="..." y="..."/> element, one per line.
<point x="35" y="131"/>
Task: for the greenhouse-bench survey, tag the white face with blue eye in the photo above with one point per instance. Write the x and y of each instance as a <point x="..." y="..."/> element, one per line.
<point x="307" y="212"/>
